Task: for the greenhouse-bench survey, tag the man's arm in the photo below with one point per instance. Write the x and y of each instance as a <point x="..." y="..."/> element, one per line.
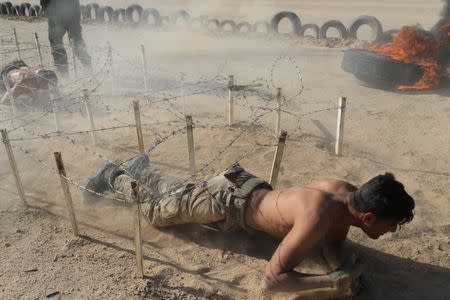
<point x="279" y="275"/>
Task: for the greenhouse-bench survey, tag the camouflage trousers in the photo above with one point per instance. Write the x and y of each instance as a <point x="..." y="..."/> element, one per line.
<point x="167" y="201"/>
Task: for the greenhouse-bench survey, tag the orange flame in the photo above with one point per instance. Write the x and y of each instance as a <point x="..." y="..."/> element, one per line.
<point x="409" y="46"/>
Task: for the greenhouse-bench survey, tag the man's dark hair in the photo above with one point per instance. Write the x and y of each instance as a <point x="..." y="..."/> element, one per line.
<point x="386" y="198"/>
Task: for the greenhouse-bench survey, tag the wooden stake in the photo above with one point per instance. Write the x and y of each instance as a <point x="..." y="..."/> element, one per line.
<point x="11" y="98"/>
<point x="230" y="100"/>
<point x="66" y="190"/>
<point x="278" y="119"/>
<point x="182" y="94"/>
<point x="55" y="111"/>
<point x="190" y="141"/>
<point x="12" y="163"/>
<point x="137" y="231"/>
<point x="340" y="126"/>
<point x="38" y="48"/>
<point x="137" y="118"/>
<point x="74" y="60"/>
<point x="277" y="159"/>
<point x="111" y="63"/>
<point x="91" y="117"/>
<point x="144" y="66"/>
<point x="17" y="44"/>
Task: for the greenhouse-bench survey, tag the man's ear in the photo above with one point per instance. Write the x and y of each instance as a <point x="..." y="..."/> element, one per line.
<point x="368" y="218"/>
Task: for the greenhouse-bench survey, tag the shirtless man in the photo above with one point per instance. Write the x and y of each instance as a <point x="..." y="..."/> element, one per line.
<point x="25" y="82"/>
<point x="301" y="217"/>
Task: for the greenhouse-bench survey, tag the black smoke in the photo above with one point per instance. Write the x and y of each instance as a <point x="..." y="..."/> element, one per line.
<point x="445" y="14"/>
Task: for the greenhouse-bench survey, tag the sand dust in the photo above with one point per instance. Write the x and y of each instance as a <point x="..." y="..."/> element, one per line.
<point x="406" y="133"/>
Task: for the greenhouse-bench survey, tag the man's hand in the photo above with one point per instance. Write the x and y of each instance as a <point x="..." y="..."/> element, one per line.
<point x="347" y="277"/>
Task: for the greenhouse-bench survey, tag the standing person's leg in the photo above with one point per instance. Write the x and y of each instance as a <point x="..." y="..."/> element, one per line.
<point x="76" y="38"/>
<point x="56" y="31"/>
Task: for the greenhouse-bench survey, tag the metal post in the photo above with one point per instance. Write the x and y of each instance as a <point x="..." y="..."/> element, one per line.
<point x="66" y="190"/>
<point x="91" y="117"/>
<point x="230" y="100"/>
<point x="11" y="98"/>
<point x="278" y="119"/>
<point x="137" y="118"/>
<point x="12" y="163"/>
<point x="144" y="65"/>
<point x="137" y="230"/>
<point x="17" y="44"/>
<point x="190" y="141"/>
<point x="277" y="159"/>
<point x="340" y="125"/>
<point x="38" y="48"/>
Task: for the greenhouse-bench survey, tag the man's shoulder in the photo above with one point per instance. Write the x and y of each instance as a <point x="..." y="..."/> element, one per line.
<point x="332" y="184"/>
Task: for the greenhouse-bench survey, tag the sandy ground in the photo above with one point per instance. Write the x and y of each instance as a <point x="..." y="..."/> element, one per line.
<point x="406" y="133"/>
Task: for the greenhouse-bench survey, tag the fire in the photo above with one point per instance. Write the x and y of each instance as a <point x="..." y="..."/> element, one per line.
<point x="410" y="46"/>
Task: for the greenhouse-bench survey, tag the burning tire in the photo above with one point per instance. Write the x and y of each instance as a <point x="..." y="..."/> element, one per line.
<point x="388" y="36"/>
<point x="230" y="23"/>
<point x="343" y="34"/>
<point x="130" y="11"/>
<point x="313" y="27"/>
<point x="295" y="20"/>
<point x="108" y="10"/>
<point x="88" y="11"/>
<point x="379" y="70"/>
<point x="374" y="23"/>
<point x="154" y="14"/>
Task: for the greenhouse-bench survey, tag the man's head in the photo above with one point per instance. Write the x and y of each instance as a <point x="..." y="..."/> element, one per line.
<point x="382" y="204"/>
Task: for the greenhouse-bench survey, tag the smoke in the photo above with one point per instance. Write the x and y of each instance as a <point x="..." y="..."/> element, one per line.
<point x="446" y="10"/>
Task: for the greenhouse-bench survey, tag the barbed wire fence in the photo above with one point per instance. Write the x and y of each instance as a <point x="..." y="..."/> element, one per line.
<point x="168" y="94"/>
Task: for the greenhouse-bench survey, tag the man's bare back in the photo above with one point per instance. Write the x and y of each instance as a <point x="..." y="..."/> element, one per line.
<point x="320" y="212"/>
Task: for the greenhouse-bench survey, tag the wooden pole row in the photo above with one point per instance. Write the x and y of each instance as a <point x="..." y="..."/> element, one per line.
<point x="38" y="49"/>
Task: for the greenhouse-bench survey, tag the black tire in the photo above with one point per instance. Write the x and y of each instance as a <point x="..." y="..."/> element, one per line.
<point x="154" y="13"/>
<point x="343" y="34"/>
<point x="129" y="13"/>
<point x="25" y="9"/>
<point x="4" y="9"/>
<point x="108" y="10"/>
<point x="242" y="25"/>
<point x="314" y="27"/>
<point x="35" y="11"/>
<point x="88" y="11"/>
<point x="379" y="70"/>
<point x="374" y="23"/>
<point x="215" y="22"/>
<point x="295" y="20"/>
<point x="184" y="15"/>
<point x="15" y="11"/>
<point x="387" y="36"/>
<point x="228" y="22"/>
<point x="263" y="24"/>
<point x="120" y="12"/>
<point x="196" y="23"/>
<point x="165" y="21"/>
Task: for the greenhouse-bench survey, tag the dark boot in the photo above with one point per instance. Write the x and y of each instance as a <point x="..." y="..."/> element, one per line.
<point x="137" y="165"/>
<point x="102" y="181"/>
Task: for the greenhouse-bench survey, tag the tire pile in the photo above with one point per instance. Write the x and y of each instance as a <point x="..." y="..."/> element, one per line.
<point x="138" y="16"/>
